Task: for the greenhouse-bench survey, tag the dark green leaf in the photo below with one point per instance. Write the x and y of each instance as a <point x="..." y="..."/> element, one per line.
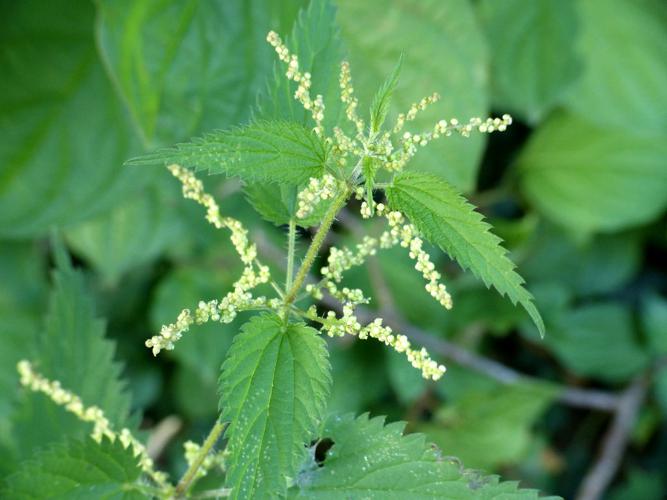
<point x="273" y="386"/>
<point x="448" y="220"/>
<point x="72" y="349"/>
<point x="78" y="470"/>
<point x="598" y="341"/>
<point x="275" y="151"/>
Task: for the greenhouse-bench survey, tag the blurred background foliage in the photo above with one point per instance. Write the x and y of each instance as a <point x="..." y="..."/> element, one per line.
<point x="577" y="188"/>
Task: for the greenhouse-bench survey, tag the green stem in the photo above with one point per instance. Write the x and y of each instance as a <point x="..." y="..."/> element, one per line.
<point x="190" y="474"/>
<point x="314" y="247"/>
<point x="291" y="239"/>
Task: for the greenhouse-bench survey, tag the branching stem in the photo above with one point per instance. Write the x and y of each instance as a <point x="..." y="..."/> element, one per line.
<point x="190" y="474"/>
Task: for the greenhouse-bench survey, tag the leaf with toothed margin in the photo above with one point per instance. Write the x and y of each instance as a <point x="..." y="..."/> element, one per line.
<point x="274" y="385"/>
<point x="78" y="469"/>
<point x="370" y="460"/>
<point x="274" y="151"/>
<point x="445" y="218"/>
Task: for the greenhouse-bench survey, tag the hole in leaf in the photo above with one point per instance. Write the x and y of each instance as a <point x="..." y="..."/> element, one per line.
<point x="321" y="448"/>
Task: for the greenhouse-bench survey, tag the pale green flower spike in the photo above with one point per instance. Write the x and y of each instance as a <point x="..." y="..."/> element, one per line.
<point x="93" y="414"/>
<point x="240" y="298"/>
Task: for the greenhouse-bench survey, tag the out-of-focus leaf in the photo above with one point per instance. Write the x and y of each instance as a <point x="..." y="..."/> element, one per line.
<point x="22" y="294"/>
<point x="372" y="460"/>
<point x="72" y="349"/>
<point x="78" y="469"/>
<point x="129" y="235"/>
<point x="660" y="389"/>
<point x="202" y="349"/>
<point x="640" y="484"/>
<point x="532" y="53"/>
<point x="624" y="84"/>
<point x="65" y="134"/>
<point x="490" y="428"/>
<point x="189" y="67"/>
<point x="598" y="341"/>
<point x="589" y="179"/>
<point x="448" y="55"/>
<point x="598" y="265"/>
<point x="654" y="321"/>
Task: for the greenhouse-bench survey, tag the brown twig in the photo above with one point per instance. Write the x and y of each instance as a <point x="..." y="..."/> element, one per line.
<point x="615" y="441"/>
<point x="162" y="434"/>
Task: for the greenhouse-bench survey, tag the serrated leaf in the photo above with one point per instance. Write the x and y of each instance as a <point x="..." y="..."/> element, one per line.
<point x="72" y="349"/>
<point x="445" y="52"/>
<point x="65" y="133"/>
<point x="78" y="470"/>
<point x="316" y="41"/>
<point x="371" y="460"/>
<point x="273" y="386"/>
<point x="448" y="220"/>
<point x="274" y="151"/>
<point x="382" y="99"/>
<point x="533" y="60"/>
<point x="604" y="180"/>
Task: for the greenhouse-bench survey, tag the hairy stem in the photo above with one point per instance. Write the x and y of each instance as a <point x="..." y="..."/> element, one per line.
<point x="315" y="245"/>
<point x="190" y="474"/>
<point x="291" y="239"/>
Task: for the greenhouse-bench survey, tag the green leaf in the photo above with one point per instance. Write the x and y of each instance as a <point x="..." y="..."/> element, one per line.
<point x="591" y="179"/>
<point x="654" y="321"/>
<point x="592" y="267"/>
<point x="273" y="386"/>
<point x="185" y="68"/>
<point x="65" y="134"/>
<point x="202" y="350"/>
<point x="278" y="204"/>
<point x="275" y="151"/>
<point x="316" y="41"/>
<point x="382" y="99"/>
<point x="490" y="428"/>
<point x="448" y="220"/>
<point x="624" y="85"/>
<point x="370" y="460"/>
<point x="72" y="349"/>
<point x="532" y="53"/>
<point x="444" y="51"/>
<point x="131" y="234"/>
<point x="598" y="341"/>
<point x="78" y="470"/>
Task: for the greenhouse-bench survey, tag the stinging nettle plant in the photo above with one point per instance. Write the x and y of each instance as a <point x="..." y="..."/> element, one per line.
<point x="275" y="381"/>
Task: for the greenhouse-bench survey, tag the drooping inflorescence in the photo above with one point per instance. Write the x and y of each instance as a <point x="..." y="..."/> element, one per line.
<point x="240" y="298"/>
<point x="102" y="428"/>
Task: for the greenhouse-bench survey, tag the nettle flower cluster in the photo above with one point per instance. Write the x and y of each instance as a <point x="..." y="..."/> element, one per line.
<point x="368" y="147"/>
